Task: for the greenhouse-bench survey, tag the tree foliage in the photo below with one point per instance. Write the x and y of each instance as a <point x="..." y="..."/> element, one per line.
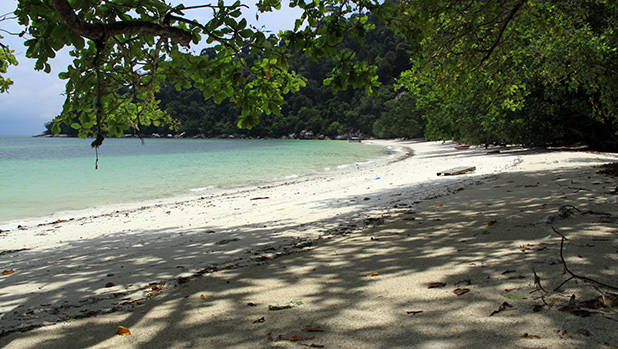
<point x="6" y="59"/>
<point x="512" y="70"/>
<point x="524" y="71"/>
<point x="124" y="49"/>
<point x="315" y="108"/>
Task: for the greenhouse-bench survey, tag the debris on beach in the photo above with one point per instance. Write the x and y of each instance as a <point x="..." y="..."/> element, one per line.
<point x="492" y="222"/>
<point x="461" y="291"/>
<point x="260" y="198"/>
<point x="8" y="272"/>
<point x="502" y="307"/>
<point x="457" y="171"/>
<point x="436" y="284"/>
<point x="462" y="147"/>
<point x="288" y="305"/>
<point x="123" y="331"/>
<point x="260" y="320"/>
<point x="414" y="312"/>
<point x="373" y="274"/>
<point x="204" y="298"/>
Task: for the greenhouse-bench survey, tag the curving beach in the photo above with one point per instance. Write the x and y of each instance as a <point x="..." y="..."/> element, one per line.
<point x="354" y="250"/>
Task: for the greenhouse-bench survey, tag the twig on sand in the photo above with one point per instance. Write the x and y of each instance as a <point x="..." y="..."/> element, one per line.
<point x="537" y="281"/>
<point x="573" y="275"/>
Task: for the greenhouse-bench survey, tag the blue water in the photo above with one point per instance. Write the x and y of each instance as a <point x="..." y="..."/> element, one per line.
<point x="41" y="176"/>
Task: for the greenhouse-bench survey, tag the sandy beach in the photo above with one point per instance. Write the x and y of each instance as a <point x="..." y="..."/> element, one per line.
<point x="339" y="261"/>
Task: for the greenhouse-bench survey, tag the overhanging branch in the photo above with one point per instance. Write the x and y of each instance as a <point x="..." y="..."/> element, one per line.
<point x="102" y="31"/>
<point x="503" y="27"/>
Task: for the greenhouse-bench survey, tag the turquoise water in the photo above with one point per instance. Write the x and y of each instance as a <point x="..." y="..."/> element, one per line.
<point x="41" y="176"/>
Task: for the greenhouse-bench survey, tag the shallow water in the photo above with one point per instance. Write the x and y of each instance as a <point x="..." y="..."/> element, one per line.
<point x="40" y="176"/>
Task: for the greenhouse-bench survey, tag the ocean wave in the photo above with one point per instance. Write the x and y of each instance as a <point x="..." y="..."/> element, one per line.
<point x="200" y="189"/>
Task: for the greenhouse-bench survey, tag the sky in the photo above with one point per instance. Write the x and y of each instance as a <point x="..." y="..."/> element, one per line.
<point x="36" y="97"/>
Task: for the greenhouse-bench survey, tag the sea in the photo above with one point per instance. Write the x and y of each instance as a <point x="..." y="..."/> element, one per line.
<point x="40" y="177"/>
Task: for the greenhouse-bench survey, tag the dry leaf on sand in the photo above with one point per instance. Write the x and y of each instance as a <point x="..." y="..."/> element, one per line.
<point x="123" y="331"/>
<point x="460" y="291"/>
<point x="502" y="307"/>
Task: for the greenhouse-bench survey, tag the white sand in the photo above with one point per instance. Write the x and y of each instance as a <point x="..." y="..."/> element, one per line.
<point x="64" y="271"/>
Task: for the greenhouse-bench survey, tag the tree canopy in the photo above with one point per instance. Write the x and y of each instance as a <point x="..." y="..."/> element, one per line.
<point x="479" y="71"/>
<point x="512" y="70"/>
<point x="6" y="57"/>
<point x="124" y="49"/>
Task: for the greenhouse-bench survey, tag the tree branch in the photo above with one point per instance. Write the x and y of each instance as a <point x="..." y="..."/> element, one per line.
<point x="102" y="31"/>
<point x="505" y="23"/>
<point x="574" y="276"/>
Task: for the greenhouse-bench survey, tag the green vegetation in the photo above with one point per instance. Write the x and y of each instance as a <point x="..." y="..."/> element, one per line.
<point x="316" y="108"/>
<point x="516" y="71"/>
<point x="125" y="49"/>
<point x="6" y="58"/>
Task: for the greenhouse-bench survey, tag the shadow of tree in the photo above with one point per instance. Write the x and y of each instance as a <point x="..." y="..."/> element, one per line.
<point x="446" y="239"/>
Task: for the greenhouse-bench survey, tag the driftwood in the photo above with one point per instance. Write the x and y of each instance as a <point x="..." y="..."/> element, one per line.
<point x="456" y="171"/>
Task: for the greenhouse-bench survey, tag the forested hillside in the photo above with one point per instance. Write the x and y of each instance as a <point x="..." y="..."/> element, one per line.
<point x="315" y="108"/>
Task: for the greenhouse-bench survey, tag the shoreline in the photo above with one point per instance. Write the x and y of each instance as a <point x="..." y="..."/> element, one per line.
<point x="211" y="193"/>
<point x="171" y="244"/>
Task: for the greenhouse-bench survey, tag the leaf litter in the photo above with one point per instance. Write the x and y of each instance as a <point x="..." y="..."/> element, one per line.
<point x="123" y="331"/>
<point x="461" y="291"/>
<point x="502" y="307"/>
<point x="288" y="305"/>
<point x="436" y="284"/>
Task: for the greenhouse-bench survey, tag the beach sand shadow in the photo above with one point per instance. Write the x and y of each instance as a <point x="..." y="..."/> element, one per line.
<point x="449" y="240"/>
